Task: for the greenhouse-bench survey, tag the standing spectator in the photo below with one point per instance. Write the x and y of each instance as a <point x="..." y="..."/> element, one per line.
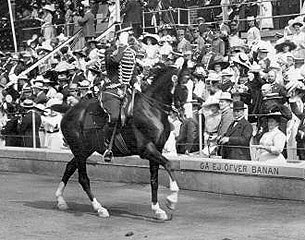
<point x="266" y="15"/>
<point x="183" y="45"/>
<point x="237" y="139"/>
<point x="299" y="39"/>
<point x="87" y="22"/>
<point x="26" y="125"/>
<point x="253" y="34"/>
<point x="225" y="102"/>
<point x="47" y="19"/>
<point x="132" y="15"/>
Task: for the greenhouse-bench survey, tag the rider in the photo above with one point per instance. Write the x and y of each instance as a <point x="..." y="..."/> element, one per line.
<point x="124" y="57"/>
<point x="120" y="66"/>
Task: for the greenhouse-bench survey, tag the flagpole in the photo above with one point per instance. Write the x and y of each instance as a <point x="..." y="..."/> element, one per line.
<point x="12" y="24"/>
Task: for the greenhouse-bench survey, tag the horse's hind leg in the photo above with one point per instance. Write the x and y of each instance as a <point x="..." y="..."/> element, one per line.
<point x="85" y="183"/>
<point x="70" y="169"/>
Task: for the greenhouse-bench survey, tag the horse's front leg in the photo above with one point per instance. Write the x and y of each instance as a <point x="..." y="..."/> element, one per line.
<point x="156" y="158"/>
<point x="70" y="169"/>
<point x="85" y="183"/>
<point x="158" y="212"/>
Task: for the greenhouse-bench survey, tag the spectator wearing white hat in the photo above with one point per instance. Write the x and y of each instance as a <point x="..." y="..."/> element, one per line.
<point x="38" y="91"/>
<point x="299" y="39"/>
<point x="225" y="102"/>
<point x="47" y="19"/>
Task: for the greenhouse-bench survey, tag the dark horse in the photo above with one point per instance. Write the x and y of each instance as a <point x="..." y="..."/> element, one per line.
<point x="145" y="134"/>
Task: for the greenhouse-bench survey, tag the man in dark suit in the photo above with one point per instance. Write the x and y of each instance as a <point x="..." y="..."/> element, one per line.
<point x="87" y="22"/>
<point x="235" y="143"/>
<point x="133" y="16"/>
<point x="26" y="125"/>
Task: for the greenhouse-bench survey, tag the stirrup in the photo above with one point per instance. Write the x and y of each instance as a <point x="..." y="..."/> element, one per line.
<point x="107" y="155"/>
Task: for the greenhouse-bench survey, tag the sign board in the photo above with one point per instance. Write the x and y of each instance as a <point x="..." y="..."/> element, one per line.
<point x="243" y="168"/>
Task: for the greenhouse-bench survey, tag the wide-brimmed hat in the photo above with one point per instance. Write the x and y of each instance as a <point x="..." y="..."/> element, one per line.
<point x="262" y="50"/>
<point x="85" y="84"/>
<point x="44" y="47"/>
<point x="38" y="85"/>
<point x="153" y="37"/>
<point x="62" y="67"/>
<point x="49" y="7"/>
<point x="242" y="59"/>
<point x="271" y="96"/>
<point x="275" y="115"/>
<point x="213" y="102"/>
<point x="73" y="87"/>
<point x="297" y="23"/>
<point x="279" y="47"/>
<point x="218" y="60"/>
<point x="200" y="19"/>
<point x="214" y="77"/>
<point x="27" y="103"/>
<point x="226" y="72"/>
<point x="165" y="27"/>
<point x="40" y="107"/>
<point x="238" y="105"/>
<point x="226" y="96"/>
<point x="79" y="52"/>
<point x="255" y="68"/>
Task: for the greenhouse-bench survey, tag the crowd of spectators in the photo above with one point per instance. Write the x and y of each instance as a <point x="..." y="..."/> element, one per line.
<point x="249" y="91"/>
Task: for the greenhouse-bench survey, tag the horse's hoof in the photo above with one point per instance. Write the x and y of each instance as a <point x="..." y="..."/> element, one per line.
<point x="103" y="213"/>
<point x="62" y="206"/>
<point x="170" y="204"/>
<point x="161" y="215"/>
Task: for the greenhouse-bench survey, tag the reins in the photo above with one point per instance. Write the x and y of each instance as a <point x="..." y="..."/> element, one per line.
<point x="161" y="106"/>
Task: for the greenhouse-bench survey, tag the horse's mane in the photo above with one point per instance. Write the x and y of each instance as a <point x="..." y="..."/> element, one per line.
<point x="161" y="79"/>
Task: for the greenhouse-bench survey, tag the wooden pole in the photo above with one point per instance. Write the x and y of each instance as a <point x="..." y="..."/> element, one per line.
<point x="12" y="25"/>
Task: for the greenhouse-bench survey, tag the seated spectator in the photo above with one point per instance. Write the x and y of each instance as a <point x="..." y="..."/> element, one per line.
<point x="272" y="143"/>
<point x="236" y="141"/>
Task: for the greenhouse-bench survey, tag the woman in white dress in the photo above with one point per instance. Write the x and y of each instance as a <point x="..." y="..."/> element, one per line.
<point x="272" y="143"/>
<point x="151" y="47"/>
<point x="266" y="14"/>
<point x="47" y="26"/>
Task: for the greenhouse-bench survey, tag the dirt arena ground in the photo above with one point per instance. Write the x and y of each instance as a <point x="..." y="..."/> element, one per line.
<point x="28" y="212"/>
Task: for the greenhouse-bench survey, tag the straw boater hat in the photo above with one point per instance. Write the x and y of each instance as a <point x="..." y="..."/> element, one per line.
<point x="279" y="47"/>
<point x="214" y="77"/>
<point x="27" y="103"/>
<point x="153" y="37"/>
<point x="297" y="23"/>
<point x="226" y="72"/>
<point x="49" y="7"/>
<point x="85" y="84"/>
<point x="272" y="96"/>
<point x="226" y="96"/>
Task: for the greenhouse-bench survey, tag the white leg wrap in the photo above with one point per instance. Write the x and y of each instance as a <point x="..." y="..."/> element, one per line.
<point x="101" y="211"/>
<point x="158" y="212"/>
<point x="173" y="186"/>
<point x="61" y="203"/>
<point x="60" y="190"/>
